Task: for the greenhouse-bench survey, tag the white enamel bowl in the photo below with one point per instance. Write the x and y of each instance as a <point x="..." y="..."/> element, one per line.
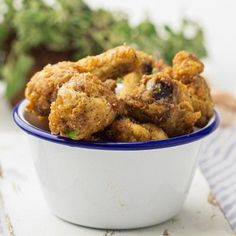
<point x="114" y="185"/>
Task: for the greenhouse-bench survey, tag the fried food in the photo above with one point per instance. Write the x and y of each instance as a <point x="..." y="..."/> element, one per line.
<point x="111" y="84"/>
<point x="161" y="100"/>
<point x="186" y="66"/>
<point x="147" y="64"/>
<point x="84" y="106"/>
<point x="130" y="82"/>
<point x="201" y="99"/>
<point x="111" y="64"/>
<point x="42" y="89"/>
<point x="127" y="130"/>
<point x="187" y="69"/>
<point x="157" y="101"/>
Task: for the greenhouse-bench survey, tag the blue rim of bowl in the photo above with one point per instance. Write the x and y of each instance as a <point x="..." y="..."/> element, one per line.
<point x="156" y="144"/>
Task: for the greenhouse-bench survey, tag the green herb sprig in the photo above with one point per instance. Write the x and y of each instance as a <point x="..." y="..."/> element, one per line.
<point x="73" y="134"/>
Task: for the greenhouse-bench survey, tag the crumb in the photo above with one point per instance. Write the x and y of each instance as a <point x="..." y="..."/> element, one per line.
<point x="165" y="233"/>
<point x="211" y="199"/>
<point x="109" y="233"/>
<point x="10" y="227"/>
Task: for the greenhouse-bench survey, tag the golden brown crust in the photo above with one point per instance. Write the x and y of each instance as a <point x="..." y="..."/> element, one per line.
<point x="42" y="89"/>
<point x="84" y="106"/>
<point x="186" y="66"/>
<point x="166" y="102"/>
<point x="111" y="64"/>
<point x="147" y="64"/>
<point x="127" y="130"/>
<point x="201" y="98"/>
<point x="130" y="82"/>
<point x="111" y="84"/>
<point x="80" y="96"/>
<point x="187" y="69"/>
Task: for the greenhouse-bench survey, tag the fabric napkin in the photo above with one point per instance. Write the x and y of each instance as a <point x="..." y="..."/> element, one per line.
<point x="218" y="164"/>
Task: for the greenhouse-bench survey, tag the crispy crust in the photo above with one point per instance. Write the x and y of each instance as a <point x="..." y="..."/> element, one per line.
<point x="80" y="96"/>
<point x="85" y="105"/>
<point x="165" y="102"/>
<point x="42" y="89"/>
<point x="127" y="130"/>
<point x="130" y="82"/>
<point x="187" y="69"/>
<point x="147" y="64"/>
<point x="201" y="98"/>
<point x="111" y="64"/>
<point x="186" y="66"/>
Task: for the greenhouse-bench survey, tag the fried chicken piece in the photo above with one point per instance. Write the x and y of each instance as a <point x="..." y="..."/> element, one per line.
<point x="186" y="66"/>
<point x="127" y="130"/>
<point x="187" y="69"/>
<point x="201" y="99"/>
<point x="130" y="82"/>
<point x="111" y="84"/>
<point x="84" y="106"/>
<point x="111" y="64"/>
<point x="147" y="64"/>
<point x="42" y="89"/>
<point x="161" y="100"/>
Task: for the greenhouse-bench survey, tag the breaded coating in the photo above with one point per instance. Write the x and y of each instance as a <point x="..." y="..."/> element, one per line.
<point x="187" y="69"/>
<point x="84" y="106"/>
<point x="147" y="64"/>
<point x="111" y="84"/>
<point x="42" y="89"/>
<point x="161" y="100"/>
<point x="111" y="64"/>
<point x="156" y="102"/>
<point x="130" y="81"/>
<point x="186" y="66"/>
<point x="201" y="98"/>
<point x="127" y="130"/>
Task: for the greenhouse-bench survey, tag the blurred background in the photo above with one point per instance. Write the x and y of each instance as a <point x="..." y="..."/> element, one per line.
<point x="34" y="33"/>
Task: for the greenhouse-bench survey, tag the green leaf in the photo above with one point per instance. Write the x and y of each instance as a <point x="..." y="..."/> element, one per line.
<point x="119" y="81"/>
<point x="15" y="72"/>
<point x="73" y="134"/>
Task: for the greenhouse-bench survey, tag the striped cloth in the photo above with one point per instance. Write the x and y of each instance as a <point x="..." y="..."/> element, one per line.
<point x="218" y="164"/>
